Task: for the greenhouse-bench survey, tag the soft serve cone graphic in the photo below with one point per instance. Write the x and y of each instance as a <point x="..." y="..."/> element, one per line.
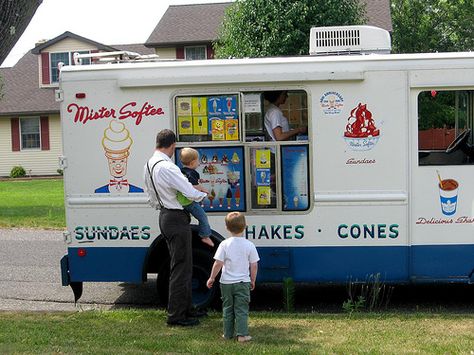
<point x="117" y="142"/>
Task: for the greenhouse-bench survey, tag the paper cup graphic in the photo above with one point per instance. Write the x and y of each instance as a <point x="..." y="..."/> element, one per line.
<point x="448" y="194"/>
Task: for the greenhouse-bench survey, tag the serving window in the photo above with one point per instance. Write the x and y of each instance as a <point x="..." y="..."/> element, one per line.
<point x="241" y="166"/>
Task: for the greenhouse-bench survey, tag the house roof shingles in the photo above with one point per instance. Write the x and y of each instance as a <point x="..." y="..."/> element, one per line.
<point x="199" y="23"/>
<point x="378" y="13"/>
<point x="183" y="24"/>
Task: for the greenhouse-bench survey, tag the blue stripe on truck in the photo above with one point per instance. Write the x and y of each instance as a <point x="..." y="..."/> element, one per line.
<point x="446" y="263"/>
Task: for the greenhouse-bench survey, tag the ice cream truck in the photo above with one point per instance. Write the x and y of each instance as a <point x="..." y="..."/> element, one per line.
<point x="381" y="184"/>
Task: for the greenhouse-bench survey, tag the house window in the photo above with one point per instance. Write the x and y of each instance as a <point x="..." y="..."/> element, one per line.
<point x="30" y="133"/>
<point x="195" y="53"/>
<point x="66" y="58"/>
<point x="57" y="58"/>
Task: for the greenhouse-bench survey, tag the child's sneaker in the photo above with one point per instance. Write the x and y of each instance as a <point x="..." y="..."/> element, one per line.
<point x="243" y="339"/>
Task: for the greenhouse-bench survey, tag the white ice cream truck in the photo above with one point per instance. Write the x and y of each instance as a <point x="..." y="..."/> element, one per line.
<point x="383" y="182"/>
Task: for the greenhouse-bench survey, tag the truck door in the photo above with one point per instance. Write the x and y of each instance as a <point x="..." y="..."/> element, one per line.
<point x="442" y="189"/>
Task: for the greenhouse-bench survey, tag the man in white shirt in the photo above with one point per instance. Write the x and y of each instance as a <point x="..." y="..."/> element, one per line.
<point x="163" y="179"/>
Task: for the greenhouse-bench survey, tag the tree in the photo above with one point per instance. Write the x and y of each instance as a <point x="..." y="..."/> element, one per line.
<point x="14" y="17"/>
<point x="260" y="28"/>
<point x="432" y="26"/>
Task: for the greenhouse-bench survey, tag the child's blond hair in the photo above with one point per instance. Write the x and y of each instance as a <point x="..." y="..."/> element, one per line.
<point x="188" y="155"/>
<point x="235" y="222"/>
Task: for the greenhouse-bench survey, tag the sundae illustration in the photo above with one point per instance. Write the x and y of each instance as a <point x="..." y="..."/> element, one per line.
<point x="117" y="142"/>
<point x="361" y="132"/>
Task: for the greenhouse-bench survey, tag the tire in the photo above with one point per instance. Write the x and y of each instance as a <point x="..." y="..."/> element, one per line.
<point x="202" y="265"/>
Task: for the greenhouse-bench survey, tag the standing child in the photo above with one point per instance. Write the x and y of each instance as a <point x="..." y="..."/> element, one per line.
<point x="236" y="256"/>
<point x="190" y="159"/>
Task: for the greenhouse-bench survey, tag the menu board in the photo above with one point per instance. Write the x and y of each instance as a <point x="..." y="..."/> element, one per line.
<point x="210" y="118"/>
<point x="221" y="172"/>
<point x="294" y="167"/>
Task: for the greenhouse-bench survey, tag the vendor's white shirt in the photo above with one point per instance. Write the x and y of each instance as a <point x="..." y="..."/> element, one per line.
<point x="237" y="253"/>
<point x="274" y="118"/>
<point x="168" y="179"/>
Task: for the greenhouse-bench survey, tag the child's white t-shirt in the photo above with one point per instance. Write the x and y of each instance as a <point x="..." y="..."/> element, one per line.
<point x="237" y="253"/>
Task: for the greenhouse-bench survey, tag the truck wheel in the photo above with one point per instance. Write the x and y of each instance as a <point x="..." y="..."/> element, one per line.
<point x="202" y="296"/>
<point x="202" y="265"/>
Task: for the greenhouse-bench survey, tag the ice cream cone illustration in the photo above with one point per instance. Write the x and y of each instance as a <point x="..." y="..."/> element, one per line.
<point x="228" y="197"/>
<point x="237" y="196"/>
<point x="116" y="142"/>
<point x="211" y="197"/>
<point x="295" y="201"/>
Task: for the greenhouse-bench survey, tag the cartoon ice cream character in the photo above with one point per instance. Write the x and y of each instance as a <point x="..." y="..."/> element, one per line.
<point x="117" y="142"/>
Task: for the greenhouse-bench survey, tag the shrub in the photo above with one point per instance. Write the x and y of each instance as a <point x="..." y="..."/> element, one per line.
<point x="371" y="295"/>
<point x="60" y="172"/>
<point x="17" y="171"/>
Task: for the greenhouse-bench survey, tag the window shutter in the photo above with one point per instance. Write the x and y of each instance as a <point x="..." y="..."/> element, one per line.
<point x="45" y="68"/>
<point x="44" y="127"/>
<point x="15" y="124"/>
<point x="179" y="52"/>
<point x="210" y="52"/>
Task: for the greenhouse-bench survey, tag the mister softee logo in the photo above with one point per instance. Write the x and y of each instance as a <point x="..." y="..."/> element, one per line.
<point x="133" y="110"/>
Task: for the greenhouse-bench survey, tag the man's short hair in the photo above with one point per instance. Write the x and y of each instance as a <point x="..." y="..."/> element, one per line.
<point x="188" y="155"/>
<point x="165" y="138"/>
<point x="272" y="96"/>
<point x="235" y="222"/>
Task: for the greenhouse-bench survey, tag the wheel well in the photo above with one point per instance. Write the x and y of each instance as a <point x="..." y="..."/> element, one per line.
<point x="158" y="251"/>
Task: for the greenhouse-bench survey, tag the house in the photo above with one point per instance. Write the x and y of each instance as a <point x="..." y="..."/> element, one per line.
<point x="30" y="129"/>
<point x="187" y="31"/>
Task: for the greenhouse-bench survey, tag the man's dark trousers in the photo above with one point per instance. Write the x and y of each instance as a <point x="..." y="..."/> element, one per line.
<point x="174" y="225"/>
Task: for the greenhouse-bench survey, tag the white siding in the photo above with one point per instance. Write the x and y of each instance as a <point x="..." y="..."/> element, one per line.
<point x="69" y="45"/>
<point x="40" y="162"/>
<point x="166" y="53"/>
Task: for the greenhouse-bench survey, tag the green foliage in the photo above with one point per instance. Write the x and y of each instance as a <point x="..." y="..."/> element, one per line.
<point x="370" y="295"/>
<point x="432" y="26"/>
<point x="17" y="171"/>
<point x="438" y="111"/>
<point x="261" y="28"/>
<point x="351" y="306"/>
<point x="288" y="294"/>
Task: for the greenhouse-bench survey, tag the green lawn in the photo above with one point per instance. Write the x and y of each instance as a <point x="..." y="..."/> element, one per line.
<point x="32" y="203"/>
<point x="145" y="332"/>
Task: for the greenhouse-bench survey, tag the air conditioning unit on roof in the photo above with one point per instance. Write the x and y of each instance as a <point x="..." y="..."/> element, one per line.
<point x="349" y="40"/>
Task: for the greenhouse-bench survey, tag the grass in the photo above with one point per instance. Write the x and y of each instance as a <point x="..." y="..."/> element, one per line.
<point x="145" y="332"/>
<point x="32" y="204"/>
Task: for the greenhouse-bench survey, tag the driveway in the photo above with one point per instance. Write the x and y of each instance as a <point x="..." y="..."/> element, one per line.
<point x="30" y="277"/>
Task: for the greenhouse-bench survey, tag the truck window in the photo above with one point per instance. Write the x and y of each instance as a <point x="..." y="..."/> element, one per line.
<point x="204" y="118"/>
<point x="445" y="121"/>
<point x="229" y="128"/>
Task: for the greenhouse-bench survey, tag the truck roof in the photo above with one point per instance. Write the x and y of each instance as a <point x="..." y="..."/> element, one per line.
<point x="254" y="70"/>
